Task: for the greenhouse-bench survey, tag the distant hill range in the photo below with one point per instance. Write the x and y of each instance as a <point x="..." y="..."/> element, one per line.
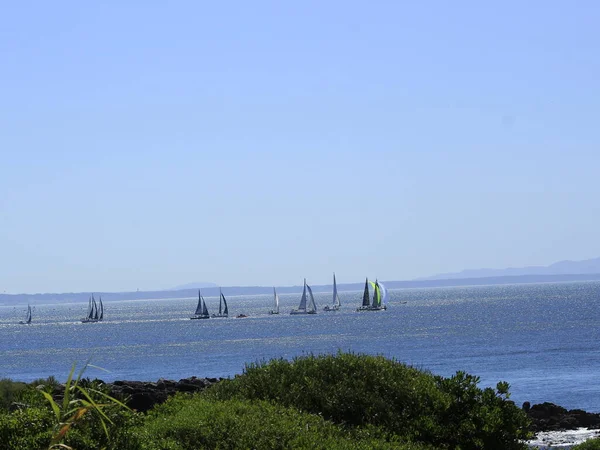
<point x="564" y="271"/>
<point x="196" y="285"/>
<point x="588" y="266"/>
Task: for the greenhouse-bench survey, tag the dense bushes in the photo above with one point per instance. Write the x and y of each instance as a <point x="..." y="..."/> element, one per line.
<point x="357" y="390"/>
<point x="592" y="444"/>
<point x="10" y="392"/>
<point x="201" y="423"/>
<point x="341" y="401"/>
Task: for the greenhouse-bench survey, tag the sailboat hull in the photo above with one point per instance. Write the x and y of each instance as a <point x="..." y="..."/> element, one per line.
<point x="331" y="308"/>
<point x="200" y="317"/>
<point x="220" y="316"/>
<point x="372" y="308"/>
<point x="299" y="311"/>
<point x="273" y="312"/>
<point x="86" y="320"/>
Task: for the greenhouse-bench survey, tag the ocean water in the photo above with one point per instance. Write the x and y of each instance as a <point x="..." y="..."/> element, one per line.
<point x="544" y="339"/>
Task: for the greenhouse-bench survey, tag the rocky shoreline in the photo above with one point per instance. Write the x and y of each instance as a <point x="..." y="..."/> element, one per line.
<point x="142" y="395"/>
<point x="550" y="417"/>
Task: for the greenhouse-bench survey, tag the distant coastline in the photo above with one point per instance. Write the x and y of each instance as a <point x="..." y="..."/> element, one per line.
<point x="71" y="297"/>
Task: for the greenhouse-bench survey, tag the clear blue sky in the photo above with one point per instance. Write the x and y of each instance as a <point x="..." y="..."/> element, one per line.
<point x="147" y="144"/>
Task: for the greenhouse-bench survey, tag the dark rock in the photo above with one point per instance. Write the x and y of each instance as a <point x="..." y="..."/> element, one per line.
<point x="143" y="401"/>
<point x="551" y="417"/>
<point x="186" y="387"/>
<point x="143" y="396"/>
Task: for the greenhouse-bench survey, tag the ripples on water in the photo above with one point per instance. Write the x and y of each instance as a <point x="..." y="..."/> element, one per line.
<point x="542" y="339"/>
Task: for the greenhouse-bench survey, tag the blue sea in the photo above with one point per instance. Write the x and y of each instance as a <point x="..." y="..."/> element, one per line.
<point x="544" y="339"/>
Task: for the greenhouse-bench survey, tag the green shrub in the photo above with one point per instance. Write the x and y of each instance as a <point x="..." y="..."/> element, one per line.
<point x="28" y="428"/>
<point x="480" y="418"/>
<point x="358" y="390"/>
<point x="590" y="444"/>
<point x="10" y="392"/>
<point x="32" y="429"/>
<point x="185" y="423"/>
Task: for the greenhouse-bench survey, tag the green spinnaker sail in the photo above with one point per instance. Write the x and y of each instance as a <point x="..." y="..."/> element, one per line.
<point x="376" y="295"/>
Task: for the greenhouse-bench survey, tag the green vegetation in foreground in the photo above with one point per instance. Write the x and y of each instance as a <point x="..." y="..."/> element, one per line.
<point x="358" y="390"/>
<point x="342" y="401"/>
<point x="198" y="422"/>
<point x="591" y="444"/>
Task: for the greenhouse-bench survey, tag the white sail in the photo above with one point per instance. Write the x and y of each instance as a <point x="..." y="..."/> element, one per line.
<point x="384" y="293"/>
<point x="276" y="300"/>
<point x="302" y="306"/>
<point x="312" y="306"/>
<point x="199" y="306"/>
<point x="336" y="297"/>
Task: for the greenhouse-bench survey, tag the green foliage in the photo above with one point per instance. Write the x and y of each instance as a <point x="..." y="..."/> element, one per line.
<point x="28" y="428"/>
<point x="32" y="429"/>
<point x="76" y="403"/>
<point x="47" y="384"/>
<point x="342" y="401"/>
<point x="480" y="418"/>
<point x="359" y="390"/>
<point x="10" y="392"/>
<point x="590" y="444"/>
<point x="185" y="423"/>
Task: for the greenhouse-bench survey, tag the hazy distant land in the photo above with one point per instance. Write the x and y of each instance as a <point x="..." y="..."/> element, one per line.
<point x="564" y="271"/>
<point x="588" y="266"/>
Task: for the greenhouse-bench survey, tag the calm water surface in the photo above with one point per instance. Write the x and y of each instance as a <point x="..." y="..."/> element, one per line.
<point x="543" y="339"/>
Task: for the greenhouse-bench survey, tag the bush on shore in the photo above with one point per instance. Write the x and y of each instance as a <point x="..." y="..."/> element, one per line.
<point x="198" y="422"/>
<point x="357" y="390"/>
<point x="342" y="401"/>
<point x="590" y="444"/>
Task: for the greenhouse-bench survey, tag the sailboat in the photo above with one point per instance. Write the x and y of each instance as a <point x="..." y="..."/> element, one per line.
<point x="336" y="299"/>
<point x="223" y="310"/>
<point x="379" y="297"/>
<point x="201" y="310"/>
<point x="95" y="311"/>
<point x="27" y="316"/>
<point x="366" y="303"/>
<point x="377" y="304"/>
<point x="302" y="308"/>
<point x="275" y="310"/>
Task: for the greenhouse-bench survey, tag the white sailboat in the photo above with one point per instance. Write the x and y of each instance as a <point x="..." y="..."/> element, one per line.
<point x="275" y="309"/>
<point x="223" y="311"/>
<point x="307" y="303"/>
<point x="27" y="316"/>
<point x="201" y="310"/>
<point x="336" y="299"/>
